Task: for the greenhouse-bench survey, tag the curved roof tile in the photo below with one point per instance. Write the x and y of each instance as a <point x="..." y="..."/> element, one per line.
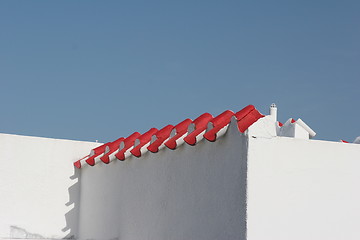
<point x="178" y="133"/>
<point x="141" y="141"/>
<point x="218" y="123"/>
<point x="161" y="136"/>
<point x="126" y="145"/>
<point x="199" y="126"/>
<point x="111" y="148"/>
<point x="95" y="153"/>
<point x="191" y="132"/>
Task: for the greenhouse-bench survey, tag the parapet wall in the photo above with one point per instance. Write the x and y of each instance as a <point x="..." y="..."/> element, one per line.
<point x="193" y="192"/>
<point x="36" y="177"/>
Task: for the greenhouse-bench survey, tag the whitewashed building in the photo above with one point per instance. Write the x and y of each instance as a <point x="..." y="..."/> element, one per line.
<point x="238" y="175"/>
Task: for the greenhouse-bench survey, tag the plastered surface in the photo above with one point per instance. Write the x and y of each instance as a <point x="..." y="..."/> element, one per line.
<point x="264" y="187"/>
<point x="34" y="186"/>
<point x="188" y="193"/>
<point x="303" y="189"/>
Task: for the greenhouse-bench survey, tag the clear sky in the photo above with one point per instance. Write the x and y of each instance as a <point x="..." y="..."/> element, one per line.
<point x="99" y="70"/>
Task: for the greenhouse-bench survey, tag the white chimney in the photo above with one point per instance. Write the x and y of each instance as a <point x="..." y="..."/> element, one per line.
<point x="273" y="112"/>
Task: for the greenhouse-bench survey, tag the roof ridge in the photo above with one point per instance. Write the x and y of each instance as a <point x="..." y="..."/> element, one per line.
<point x="189" y="131"/>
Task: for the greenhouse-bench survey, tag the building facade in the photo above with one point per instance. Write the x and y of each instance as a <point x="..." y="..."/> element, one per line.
<point x="239" y="175"/>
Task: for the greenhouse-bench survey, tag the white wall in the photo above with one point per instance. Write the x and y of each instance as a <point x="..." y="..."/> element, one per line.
<point x="189" y="193"/>
<point x="303" y="189"/>
<point x="34" y="185"/>
<point x="296" y="189"/>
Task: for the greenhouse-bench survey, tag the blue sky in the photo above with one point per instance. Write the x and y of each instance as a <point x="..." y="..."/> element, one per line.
<point x="99" y="70"/>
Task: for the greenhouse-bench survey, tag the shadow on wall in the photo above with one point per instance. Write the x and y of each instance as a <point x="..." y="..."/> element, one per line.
<point x="72" y="216"/>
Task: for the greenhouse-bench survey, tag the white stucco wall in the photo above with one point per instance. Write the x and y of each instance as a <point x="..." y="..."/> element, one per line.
<point x="34" y="186"/>
<point x="189" y="193"/>
<point x="303" y="189"/>
<point x="264" y="187"/>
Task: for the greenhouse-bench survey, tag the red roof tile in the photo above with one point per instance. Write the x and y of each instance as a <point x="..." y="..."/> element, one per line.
<point x="141" y="141"/>
<point x="95" y="153"/>
<point x="126" y="145"/>
<point x="246" y="117"/>
<point x="161" y="137"/>
<point x="191" y="132"/>
<point x="218" y="123"/>
<point x="179" y="131"/>
<point x="111" y="148"/>
<point x="199" y="125"/>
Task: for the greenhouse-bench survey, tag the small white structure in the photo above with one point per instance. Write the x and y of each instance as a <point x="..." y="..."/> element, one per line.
<point x="236" y="176"/>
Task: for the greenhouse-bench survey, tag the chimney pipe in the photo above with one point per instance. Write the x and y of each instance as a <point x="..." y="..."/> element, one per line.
<point x="273" y="112"/>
